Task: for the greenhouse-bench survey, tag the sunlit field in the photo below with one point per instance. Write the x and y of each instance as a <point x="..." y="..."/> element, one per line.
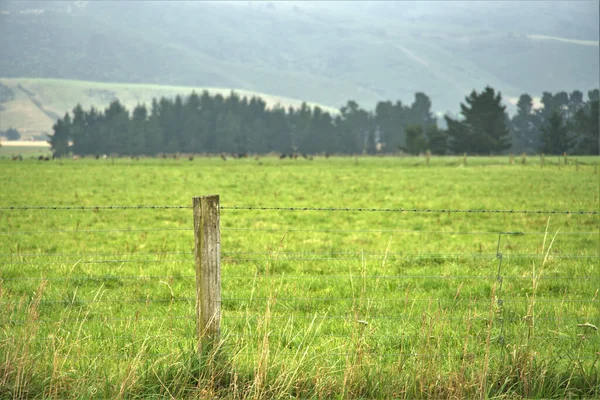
<point x="419" y="303"/>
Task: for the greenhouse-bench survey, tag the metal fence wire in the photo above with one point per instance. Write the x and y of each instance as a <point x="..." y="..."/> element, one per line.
<point x="121" y="297"/>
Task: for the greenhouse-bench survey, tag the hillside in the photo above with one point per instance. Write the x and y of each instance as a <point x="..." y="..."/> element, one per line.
<point x="325" y="52"/>
<point x="38" y="102"/>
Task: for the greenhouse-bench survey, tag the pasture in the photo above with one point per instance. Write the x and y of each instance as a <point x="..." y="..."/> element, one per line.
<point x="315" y="303"/>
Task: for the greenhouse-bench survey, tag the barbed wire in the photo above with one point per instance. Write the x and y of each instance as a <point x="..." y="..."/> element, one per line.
<point x="260" y="208"/>
<point x="431" y="300"/>
<point x="411" y="210"/>
<point x="89" y="208"/>
<point x="231" y="254"/>
<point x="101" y="319"/>
<point x="95" y="230"/>
<point x="224" y="333"/>
<point x="96" y="278"/>
<point x="368" y="318"/>
<point x="279" y="276"/>
<point x="285" y="229"/>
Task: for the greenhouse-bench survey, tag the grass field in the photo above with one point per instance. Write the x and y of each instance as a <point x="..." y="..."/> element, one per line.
<point x="319" y="304"/>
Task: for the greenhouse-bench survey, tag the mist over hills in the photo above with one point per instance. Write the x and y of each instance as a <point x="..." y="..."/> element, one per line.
<point x="323" y="52"/>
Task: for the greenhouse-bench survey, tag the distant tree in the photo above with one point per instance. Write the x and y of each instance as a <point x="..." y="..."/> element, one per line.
<point x="59" y="141"/>
<point x="79" y="132"/>
<point x="555" y="135"/>
<point x="525" y="127"/>
<point x="116" y="128"/>
<point x="483" y="128"/>
<point x="135" y="143"/>
<point x="11" y="134"/>
<point x="437" y="140"/>
<point x="416" y="141"/>
<point x="353" y="127"/>
<point x="587" y="125"/>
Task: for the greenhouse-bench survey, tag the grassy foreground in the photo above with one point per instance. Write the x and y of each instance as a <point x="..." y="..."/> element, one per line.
<point x="321" y="304"/>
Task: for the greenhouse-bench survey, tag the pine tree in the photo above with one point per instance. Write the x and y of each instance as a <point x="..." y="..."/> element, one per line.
<point x="59" y="141"/>
<point x="555" y="135"/>
<point x="483" y="129"/>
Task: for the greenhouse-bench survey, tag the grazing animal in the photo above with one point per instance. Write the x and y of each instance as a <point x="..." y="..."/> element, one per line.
<point x="17" y="158"/>
<point x="281" y="157"/>
<point x="191" y="158"/>
<point x="223" y="156"/>
<point x="40" y="158"/>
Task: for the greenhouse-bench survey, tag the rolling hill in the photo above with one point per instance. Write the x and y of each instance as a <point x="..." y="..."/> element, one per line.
<point x="323" y="52"/>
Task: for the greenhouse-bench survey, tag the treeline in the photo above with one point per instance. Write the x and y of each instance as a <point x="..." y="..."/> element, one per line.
<point x="233" y="124"/>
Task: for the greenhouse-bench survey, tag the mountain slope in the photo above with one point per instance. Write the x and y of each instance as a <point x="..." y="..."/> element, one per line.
<point x="326" y="52"/>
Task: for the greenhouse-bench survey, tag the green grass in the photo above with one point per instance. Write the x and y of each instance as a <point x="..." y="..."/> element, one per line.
<point x="315" y="303"/>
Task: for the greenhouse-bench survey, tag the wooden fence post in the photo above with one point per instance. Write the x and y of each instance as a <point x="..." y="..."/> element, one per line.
<point x="208" y="270"/>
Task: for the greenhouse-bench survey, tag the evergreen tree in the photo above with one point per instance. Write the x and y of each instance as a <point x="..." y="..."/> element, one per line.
<point x="415" y="140"/>
<point x="555" y="136"/>
<point x="587" y="124"/>
<point x="79" y="132"/>
<point x="483" y="129"/>
<point x="437" y="140"/>
<point x="116" y="125"/>
<point x="59" y="141"/>
<point x="525" y="127"/>
<point x="352" y="129"/>
<point x="136" y="140"/>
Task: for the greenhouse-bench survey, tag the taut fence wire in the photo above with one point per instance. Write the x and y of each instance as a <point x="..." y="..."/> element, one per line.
<point x="142" y="294"/>
<point x="258" y="208"/>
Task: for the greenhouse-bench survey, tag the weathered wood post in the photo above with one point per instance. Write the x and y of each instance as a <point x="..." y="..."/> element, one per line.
<point x="542" y="160"/>
<point x="208" y="270"/>
<point x="427" y="157"/>
<point x="465" y="159"/>
<point x="511" y="160"/>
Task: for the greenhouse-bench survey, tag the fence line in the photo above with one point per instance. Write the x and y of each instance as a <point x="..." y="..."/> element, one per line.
<point x="297" y="310"/>
<point x="299" y="277"/>
<point x="77" y="301"/>
<point x="292" y="230"/>
<point x="286" y="254"/>
<point x="289" y="316"/>
<point x="259" y="208"/>
<point x="281" y="259"/>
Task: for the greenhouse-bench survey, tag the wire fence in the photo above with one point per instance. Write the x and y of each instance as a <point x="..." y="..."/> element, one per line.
<point x="148" y="293"/>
